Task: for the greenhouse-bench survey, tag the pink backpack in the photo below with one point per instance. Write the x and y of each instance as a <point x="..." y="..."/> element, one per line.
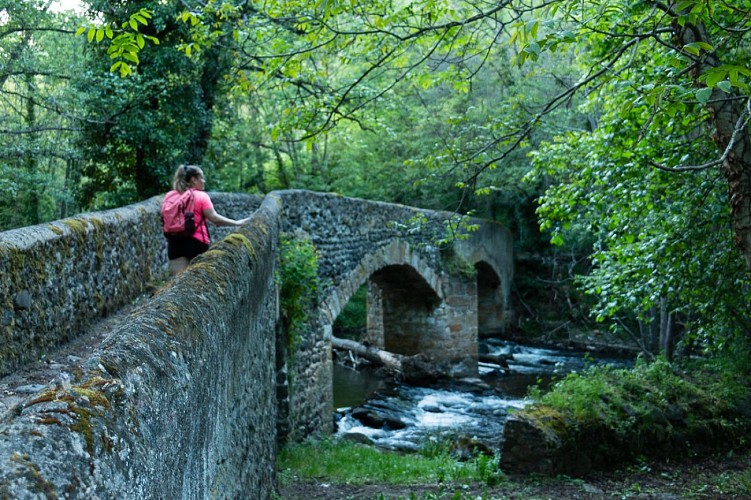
<point x="178" y="219"/>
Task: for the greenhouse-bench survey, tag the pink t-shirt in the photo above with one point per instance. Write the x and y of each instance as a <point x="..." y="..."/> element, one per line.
<point x="201" y="202"/>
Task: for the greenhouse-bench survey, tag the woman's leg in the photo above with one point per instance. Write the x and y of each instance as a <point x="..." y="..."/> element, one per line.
<point x="181" y="251"/>
<point x="178" y="265"/>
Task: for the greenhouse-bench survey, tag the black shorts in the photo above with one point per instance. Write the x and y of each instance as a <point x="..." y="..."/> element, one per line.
<point x="185" y="247"/>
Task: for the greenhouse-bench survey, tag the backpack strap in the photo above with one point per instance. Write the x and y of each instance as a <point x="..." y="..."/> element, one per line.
<point x="189" y="208"/>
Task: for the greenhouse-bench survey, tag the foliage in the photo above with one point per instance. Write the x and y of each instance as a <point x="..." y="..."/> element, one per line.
<point x="457" y="264"/>
<point x="353" y="316"/>
<point x="435" y="104"/>
<point x="39" y="115"/>
<point x="238" y="151"/>
<point x="662" y="239"/>
<point x="653" y="409"/>
<point x="126" y="44"/>
<point x="299" y="283"/>
<point x="347" y="462"/>
<point x="143" y="126"/>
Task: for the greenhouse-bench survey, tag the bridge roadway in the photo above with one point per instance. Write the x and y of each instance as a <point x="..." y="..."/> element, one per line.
<point x="62" y="361"/>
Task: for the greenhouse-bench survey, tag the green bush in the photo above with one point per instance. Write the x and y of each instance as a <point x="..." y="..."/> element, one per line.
<point x="654" y="409"/>
<point x="300" y="284"/>
<point x="353" y="316"/>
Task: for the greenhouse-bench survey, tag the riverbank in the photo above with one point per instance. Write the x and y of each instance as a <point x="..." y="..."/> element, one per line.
<point x="722" y="476"/>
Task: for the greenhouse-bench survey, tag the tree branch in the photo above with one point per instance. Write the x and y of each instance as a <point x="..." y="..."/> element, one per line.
<point x="740" y="127"/>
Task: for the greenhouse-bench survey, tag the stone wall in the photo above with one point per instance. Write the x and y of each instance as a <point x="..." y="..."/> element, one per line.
<point x="179" y="401"/>
<point x="58" y="277"/>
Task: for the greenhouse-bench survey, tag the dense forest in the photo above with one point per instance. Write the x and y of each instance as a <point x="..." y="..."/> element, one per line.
<point x="611" y="136"/>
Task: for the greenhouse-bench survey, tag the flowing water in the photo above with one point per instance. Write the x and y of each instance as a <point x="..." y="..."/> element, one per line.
<point x="402" y="417"/>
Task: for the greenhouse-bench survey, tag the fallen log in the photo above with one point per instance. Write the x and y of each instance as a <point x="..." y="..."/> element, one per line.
<point x="497" y="359"/>
<point x="413" y="369"/>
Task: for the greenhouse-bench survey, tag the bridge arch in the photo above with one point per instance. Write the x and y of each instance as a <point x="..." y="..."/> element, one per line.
<point x="414" y="306"/>
<point x="395" y="253"/>
<point x="492" y="314"/>
<point x="402" y="309"/>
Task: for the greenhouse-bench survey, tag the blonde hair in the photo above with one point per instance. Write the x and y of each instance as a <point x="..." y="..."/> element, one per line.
<point x="183" y="176"/>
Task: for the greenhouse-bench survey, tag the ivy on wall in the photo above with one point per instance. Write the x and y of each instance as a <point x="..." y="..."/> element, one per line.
<point x="300" y="284"/>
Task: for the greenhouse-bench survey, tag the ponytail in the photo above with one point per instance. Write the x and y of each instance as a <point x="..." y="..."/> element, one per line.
<point x="183" y="176"/>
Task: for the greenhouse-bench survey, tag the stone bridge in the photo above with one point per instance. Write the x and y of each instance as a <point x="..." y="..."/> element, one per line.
<point x="190" y="396"/>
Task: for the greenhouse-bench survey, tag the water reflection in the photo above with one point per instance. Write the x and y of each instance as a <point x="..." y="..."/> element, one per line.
<point x="352" y="387"/>
<point x="402" y="417"/>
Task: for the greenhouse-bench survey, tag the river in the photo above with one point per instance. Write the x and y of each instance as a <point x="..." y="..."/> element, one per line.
<point x="398" y="416"/>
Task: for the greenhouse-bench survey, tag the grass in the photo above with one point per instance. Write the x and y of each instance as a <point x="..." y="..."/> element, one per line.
<point x="737" y="483"/>
<point x="434" y="475"/>
<point x="345" y="462"/>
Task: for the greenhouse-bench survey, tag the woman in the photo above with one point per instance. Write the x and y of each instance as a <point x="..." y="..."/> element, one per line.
<point x="181" y="251"/>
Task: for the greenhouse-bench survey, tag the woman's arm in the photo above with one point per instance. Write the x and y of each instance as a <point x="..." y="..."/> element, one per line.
<point x="221" y="220"/>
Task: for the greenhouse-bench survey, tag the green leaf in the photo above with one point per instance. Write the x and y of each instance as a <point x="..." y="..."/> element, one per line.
<point x="725" y="86"/>
<point x="684" y="5"/>
<point x="714" y="76"/>
<point x="514" y="36"/>
<point x="691" y="49"/>
<point x="532" y="48"/>
<point x="703" y="94"/>
<point x="568" y="36"/>
<point x="131" y="56"/>
<point x="531" y="28"/>
<point x="80" y="31"/>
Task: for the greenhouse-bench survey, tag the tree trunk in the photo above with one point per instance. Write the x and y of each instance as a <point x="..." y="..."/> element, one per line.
<point x="256" y="178"/>
<point x="666" y="330"/>
<point x="413" y="369"/>
<point x="282" y="171"/>
<point x="32" y="202"/>
<point x="728" y="112"/>
<point x="391" y="361"/>
<point x="146" y="178"/>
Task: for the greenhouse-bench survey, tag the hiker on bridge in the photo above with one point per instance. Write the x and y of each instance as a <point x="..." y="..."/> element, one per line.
<point x="185" y="211"/>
